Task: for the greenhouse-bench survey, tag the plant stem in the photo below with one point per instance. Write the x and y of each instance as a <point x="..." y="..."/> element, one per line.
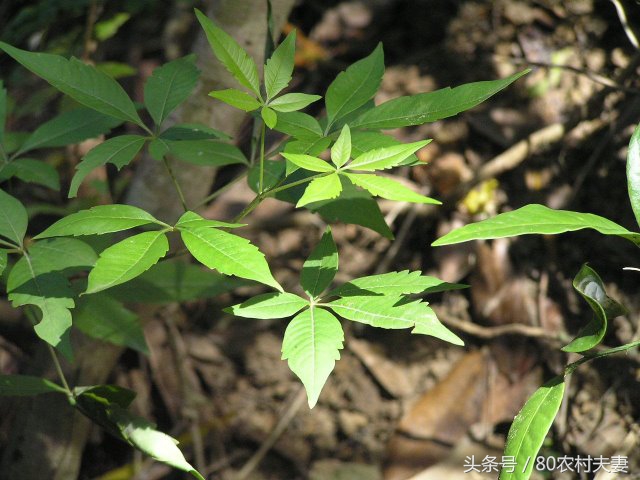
<point x="263" y="131"/>
<point x="7" y="244"/>
<point x="572" y="366"/>
<point x="175" y="183"/>
<point x="59" y="371"/>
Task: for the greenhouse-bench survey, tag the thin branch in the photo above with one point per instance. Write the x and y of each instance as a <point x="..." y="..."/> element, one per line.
<point x="622" y="15"/>
<point x="175" y="183"/>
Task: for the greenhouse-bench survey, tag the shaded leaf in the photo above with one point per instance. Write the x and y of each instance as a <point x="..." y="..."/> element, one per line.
<point x="269" y="305"/>
<point x="192" y="131"/>
<point x="13" y="218"/>
<point x="30" y="170"/>
<point x="633" y="173"/>
<point x="26" y="385"/>
<point x="341" y="150"/>
<point x="386" y="157"/>
<point x="3" y="110"/>
<point x="291" y="102"/>
<point x="298" y="125"/>
<point x="279" y="68"/>
<point x="389" y="189"/>
<point x="323" y="188"/>
<point x="198" y="152"/>
<point x="321" y="267"/>
<point x="273" y="173"/>
<point x="312" y="344"/>
<point x="237" y="99"/>
<point x="394" y="283"/>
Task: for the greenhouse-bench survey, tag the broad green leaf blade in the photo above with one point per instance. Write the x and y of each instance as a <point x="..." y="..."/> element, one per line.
<point x="229" y="254"/>
<point x="355" y="86"/>
<point x="389" y="189"/>
<point x="306" y="147"/>
<point x="69" y="128"/>
<point x="291" y="102"/>
<point x="3" y="261"/>
<point x="106" y="29"/>
<point x="30" y="170"/>
<point x="394" y="284"/>
<point x="119" y="151"/>
<point x="431" y="106"/>
<point x="82" y="82"/>
<point x="168" y="86"/>
<point x="312" y="344"/>
<point x="323" y="188"/>
<point x="386" y="157"/>
<point x="174" y="281"/>
<point x="299" y="125"/>
<point x="530" y="428"/>
<point x="104" y="318"/>
<point x="127" y="259"/>
<point x="269" y="305"/>
<point x="99" y="220"/>
<point x="364" y="141"/>
<point x="193" y="220"/>
<point x="633" y="173"/>
<point x="341" y="150"/>
<point x="308" y="162"/>
<point x="269" y="116"/>
<point x="198" y="152"/>
<point x="232" y="56"/>
<point x="589" y="284"/>
<point x="192" y="131"/>
<point x="393" y="312"/>
<point x="535" y="219"/>
<point x="26" y="385"/>
<point x="3" y="110"/>
<point x="237" y="99"/>
<point x="279" y="68"/>
<point x="321" y="266"/>
<point x="13" y="218"/>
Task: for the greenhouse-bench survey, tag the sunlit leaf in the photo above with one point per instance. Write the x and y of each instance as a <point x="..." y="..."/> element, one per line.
<point x="291" y="102"/>
<point x="269" y="305"/>
<point x="237" y="99"/>
<point x="299" y="125"/>
<point x="308" y="162"/>
<point x="633" y="173"/>
<point x="279" y="68"/>
<point x="393" y="283"/>
<point x="341" y="150"/>
<point x="323" y="188"/>
<point x="386" y="157"/>
<point x="389" y="189"/>
<point x="269" y="116"/>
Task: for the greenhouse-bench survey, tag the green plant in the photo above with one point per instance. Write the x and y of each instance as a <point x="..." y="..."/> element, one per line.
<point x="58" y="295"/>
<point x="532" y="424"/>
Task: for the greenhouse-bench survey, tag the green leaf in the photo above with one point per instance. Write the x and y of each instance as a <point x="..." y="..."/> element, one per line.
<point x="229" y="254"/>
<point x="321" y="266"/>
<point x="393" y="312"/>
<point x="3" y="110"/>
<point x="269" y="305"/>
<point x="198" y="152"/>
<point x="323" y="188"/>
<point x="82" y="82"/>
<point x="279" y="68"/>
<point x="269" y="116"/>
<point x="26" y="385"/>
<point x="168" y="86"/>
<point x="104" y="318"/>
<point x="532" y="219"/>
<point x="127" y="259"/>
<point x="3" y="260"/>
<point x="237" y="99"/>
<point x="387" y="157"/>
<point x="308" y="162"/>
<point x="69" y="128"/>
<point x="13" y="218"/>
<point x="106" y="29"/>
<point x="30" y="170"/>
<point x="364" y="141"/>
<point x="193" y="220"/>
<point x="312" y="344"/>
<point x="394" y="284"/>
<point x="98" y="220"/>
<point x="431" y="106"/>
<point x="389" y="189"/>
<point x="530" y="428"/>
<point x="355" y="86"/>
<point x="116" y="69"/>
<point x="192" y="131"/>
<point x="291" y="102"/>
<point x="341" y="150"/>
<point x="273" y="173"/>
<point x="589" y="284"/>
<point x="232" y="56"/>
<point x="119" y="151"/>
<point x="633" y="173"/>
<point x="306" y="147"/>
<point x="298" y="125"/>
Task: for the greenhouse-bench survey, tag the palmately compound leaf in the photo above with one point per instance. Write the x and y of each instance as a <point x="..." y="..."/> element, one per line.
<point x="117" y="150"/>
<point x="321" y="266"/>
<point x="341" y="150"/>
<point x="535" y="219"/>
<point x="127" y="259"/>
<point x="237" y="99"/>
<point x="69" y="128"/>
<point x="269" y="305"/>
<point x="99" y="220"/>
<point x="84" y="83"/>
<point x="232" y="56"/>
<point x="394" y="283"/>
<point x="393" y="312"/>
<point x="291" y="102"/>
<point x="633" y="173"/>
<point x="389" y="189"/>
<point x="530" y="428"/>
<point x="312" y="344"/>
<point x="26" y="385"/>
<point x="589" y="284"/>
<point x="13" y="218"/>
<point x="308" y="162"/>
<point x="431" y="106"/>
<point x="279" y="68"/>
<point x="229" y="254"/>
<point x="168" y="86"/>
<point x="100" y="316"/>
<point x="30" y="170"/>
<point x="355" y="86"/>
<point x="323" y="188"/>
<point x="386" y="157"/>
